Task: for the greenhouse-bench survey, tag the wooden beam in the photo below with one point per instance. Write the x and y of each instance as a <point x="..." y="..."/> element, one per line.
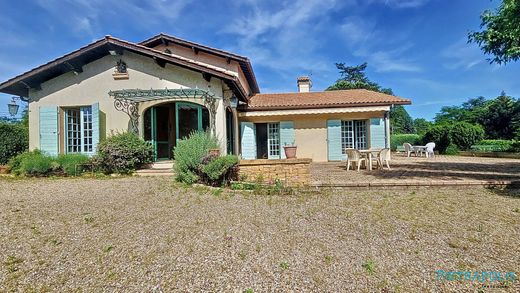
<point x="195" y="50"/>
<point x="75" y="69"/>
<point x="160" y="62"/>
<point x="29" y="86"/>
<point x="228" y="60"/>
<point x="206" y="76"/>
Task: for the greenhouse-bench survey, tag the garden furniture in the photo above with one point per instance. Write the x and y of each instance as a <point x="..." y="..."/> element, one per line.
<point x="384" y="158"/>
<point x="369" y="155"/>
<point x="408" y="149"/>
<point x="354" y="157"/>
<point x="429" y="149"/>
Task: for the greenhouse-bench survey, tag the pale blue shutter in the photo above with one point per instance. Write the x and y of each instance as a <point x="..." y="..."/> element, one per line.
<point x="95" y="126"/>
<point x="334" y="140"/>
<point x="377" y="133"/>
<point x="286" y="135"/>
<point x="248" y="140"/>
<point x="49" y="130"/>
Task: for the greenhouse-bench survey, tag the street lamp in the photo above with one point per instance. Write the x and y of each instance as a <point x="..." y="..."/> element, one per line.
<point x="13" y="107"/>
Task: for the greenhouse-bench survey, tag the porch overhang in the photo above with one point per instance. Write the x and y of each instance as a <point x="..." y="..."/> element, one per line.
<point x="128" y="100"/>
<point x="314" y="111"/>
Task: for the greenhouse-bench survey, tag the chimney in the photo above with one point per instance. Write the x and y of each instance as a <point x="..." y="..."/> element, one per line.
<point x="304" y="84"/>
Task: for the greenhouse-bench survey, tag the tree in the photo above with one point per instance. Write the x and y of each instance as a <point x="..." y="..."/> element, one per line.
<point x="421" y="125"/>
<point x="501" y="34"/>
<point x="500" y="117"/>
<point x="401" y="121"/>
<point x="354" y="77"/>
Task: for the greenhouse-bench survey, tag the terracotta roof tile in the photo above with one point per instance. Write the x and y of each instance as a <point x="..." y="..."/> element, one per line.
<point x="326" y="99"/>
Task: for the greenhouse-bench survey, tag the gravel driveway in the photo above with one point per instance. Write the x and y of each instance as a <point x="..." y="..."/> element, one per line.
<point x="148" y="235"/>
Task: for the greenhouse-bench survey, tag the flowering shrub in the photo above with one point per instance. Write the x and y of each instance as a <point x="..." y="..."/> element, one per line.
<point x="123" y="153"/>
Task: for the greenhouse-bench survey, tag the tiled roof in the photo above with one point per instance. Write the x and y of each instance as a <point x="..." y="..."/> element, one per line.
<point x="327" y="99"/>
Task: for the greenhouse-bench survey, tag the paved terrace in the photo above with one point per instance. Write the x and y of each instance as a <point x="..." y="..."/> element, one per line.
<point x="438" y="171"/>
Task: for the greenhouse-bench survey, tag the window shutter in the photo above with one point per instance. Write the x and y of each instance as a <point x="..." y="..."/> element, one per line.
<point x="49" y="130"/>
<point x="248" y="140"/>
<point x="286" y="135"/>
<point x="377" y="133"/>
<point x="334" y="140"/>
<point x="95" y="126"/>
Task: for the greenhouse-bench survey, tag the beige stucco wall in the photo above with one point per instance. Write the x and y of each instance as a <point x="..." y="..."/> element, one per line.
<point x="310" y="131"/>
<point x="232" y="67"/>
<point x="96" y="80"/>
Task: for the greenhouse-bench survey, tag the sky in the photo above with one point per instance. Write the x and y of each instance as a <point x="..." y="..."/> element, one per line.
<point x="416" y="47"/>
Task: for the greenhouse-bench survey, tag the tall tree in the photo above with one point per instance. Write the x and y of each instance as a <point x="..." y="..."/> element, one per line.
<point x="400" y="120"/>
<point x="421" y="125"/>
<point x="500" y="36"/>
<point x="500" y="117"/>
<point x="354" y="77"/>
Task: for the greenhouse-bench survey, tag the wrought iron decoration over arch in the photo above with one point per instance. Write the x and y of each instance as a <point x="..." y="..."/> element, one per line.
<point x="128" y="101"/>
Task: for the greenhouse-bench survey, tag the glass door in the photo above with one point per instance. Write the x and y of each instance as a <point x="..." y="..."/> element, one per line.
<point x="189" y="119"/>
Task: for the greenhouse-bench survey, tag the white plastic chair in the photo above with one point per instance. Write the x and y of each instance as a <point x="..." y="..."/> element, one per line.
<point x="354" y="156"/>
<point x="384" y="158"/>
<point x="408" y="149"/>
<point x="429" y="149"/>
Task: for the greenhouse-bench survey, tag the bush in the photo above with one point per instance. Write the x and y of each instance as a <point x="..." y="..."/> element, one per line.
<point x="123" y="153"/>
<point x="14" y="140"/>
<point x="189" y="154"/>
<point x="452" y="149"/>
<point x="464" y="134"/>
<point x="493" y="145"/>
<point x="397" y="140"/>
<point x="220" y="169"/>
<point x="68" y="163"/>
<point x="515" y="147"/>
<point x="36" y="163"/>
<point x="440" y="135"/>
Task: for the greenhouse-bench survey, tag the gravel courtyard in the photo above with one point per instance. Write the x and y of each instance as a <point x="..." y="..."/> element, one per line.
<point x="148" y="235"/>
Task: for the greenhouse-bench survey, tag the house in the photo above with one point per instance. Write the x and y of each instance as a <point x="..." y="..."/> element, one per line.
<point x="164" y="88"/>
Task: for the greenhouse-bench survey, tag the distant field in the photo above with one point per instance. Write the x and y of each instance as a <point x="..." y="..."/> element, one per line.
<point x="145" y="234"/>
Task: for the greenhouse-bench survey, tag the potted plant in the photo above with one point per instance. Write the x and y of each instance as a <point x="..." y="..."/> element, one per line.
<point x="290" y="150"/>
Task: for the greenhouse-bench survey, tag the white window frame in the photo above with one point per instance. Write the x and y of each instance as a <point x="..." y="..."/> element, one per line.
<point x="80" y="128"/>
<point x="273" y="140"/>
<point x="354" y="134"/>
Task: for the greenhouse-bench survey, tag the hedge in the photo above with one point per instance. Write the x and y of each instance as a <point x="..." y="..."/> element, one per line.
<point x="397" y="140"/>
<point x="14" y="140"/>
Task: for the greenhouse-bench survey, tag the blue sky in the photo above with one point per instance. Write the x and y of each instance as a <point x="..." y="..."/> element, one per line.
<point x="416" y="47"/>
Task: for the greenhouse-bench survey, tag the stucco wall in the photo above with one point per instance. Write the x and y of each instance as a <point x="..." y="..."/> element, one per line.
<point x="96" y="80"/>
<point x="311" y="130"/>
<point x="232" y="67"/>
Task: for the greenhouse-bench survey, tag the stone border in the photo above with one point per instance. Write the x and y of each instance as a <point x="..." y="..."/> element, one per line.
<point x="293" y="172"/>
<point x="273" y="162"/>
<point x="503" y="183"/>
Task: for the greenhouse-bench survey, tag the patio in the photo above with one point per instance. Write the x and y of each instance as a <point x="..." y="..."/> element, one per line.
<point x="420" y="171"/>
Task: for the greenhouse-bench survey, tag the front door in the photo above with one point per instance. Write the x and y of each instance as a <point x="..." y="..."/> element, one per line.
<point x="190" y="117"/>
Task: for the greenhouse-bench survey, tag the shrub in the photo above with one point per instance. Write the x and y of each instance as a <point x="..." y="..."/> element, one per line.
<point x="33" y="163"/>
<point x="397" y="140"/>
<point x="68" y="163"/>
<point x="494" y="145"/>
<point x="123" y="153"/>
<point x="452" y="149"/>
<point x="515" y="146"/>
<point x="14" y="140"/>
<point x="464" y="134"/>
<point x="189" y="154"/>
<point x="440" y="135"/>
<point x="220" y="169"/>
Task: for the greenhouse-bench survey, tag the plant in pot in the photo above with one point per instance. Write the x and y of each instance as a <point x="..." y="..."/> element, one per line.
<point x="290" y="150"/>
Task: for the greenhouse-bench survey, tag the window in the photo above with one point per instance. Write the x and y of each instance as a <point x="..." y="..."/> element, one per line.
<point x="78" y="130"/>
<point x="353" y="135"/>
<point x="273" y="140"/>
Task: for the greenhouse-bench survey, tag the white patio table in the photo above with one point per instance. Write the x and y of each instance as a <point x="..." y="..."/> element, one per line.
<point x="368" y="153"/>
<point x="419" y="149"/>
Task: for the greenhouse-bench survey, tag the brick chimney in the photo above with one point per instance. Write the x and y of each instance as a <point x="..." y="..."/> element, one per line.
<point x="304" y="84"/>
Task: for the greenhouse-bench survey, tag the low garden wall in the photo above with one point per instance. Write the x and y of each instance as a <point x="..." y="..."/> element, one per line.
<point x="292" y="172"/>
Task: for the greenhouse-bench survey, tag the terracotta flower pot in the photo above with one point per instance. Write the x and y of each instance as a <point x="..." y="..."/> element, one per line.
<point x="290" y="151"/>
<point x="4" y="169"/>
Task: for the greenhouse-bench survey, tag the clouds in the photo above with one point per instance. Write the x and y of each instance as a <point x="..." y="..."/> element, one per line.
<point x="461" y="55"/>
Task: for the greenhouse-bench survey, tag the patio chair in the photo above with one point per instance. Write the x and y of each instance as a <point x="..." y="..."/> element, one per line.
<point x="408" y="149"/>
<point x="354" y="157"/>
<point x="384" y="158"/>
<point x="429" y="149"/>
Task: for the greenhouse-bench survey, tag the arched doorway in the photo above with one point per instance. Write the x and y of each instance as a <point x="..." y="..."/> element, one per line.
<point x="166" y="124"/>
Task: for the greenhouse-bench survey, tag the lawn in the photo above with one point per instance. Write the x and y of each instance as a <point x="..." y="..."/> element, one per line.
<point x="146" y="234"/>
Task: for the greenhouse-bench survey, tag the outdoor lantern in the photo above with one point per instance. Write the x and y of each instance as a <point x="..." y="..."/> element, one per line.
<point x="13" y="107"/>
<point x="233" y="102"/>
